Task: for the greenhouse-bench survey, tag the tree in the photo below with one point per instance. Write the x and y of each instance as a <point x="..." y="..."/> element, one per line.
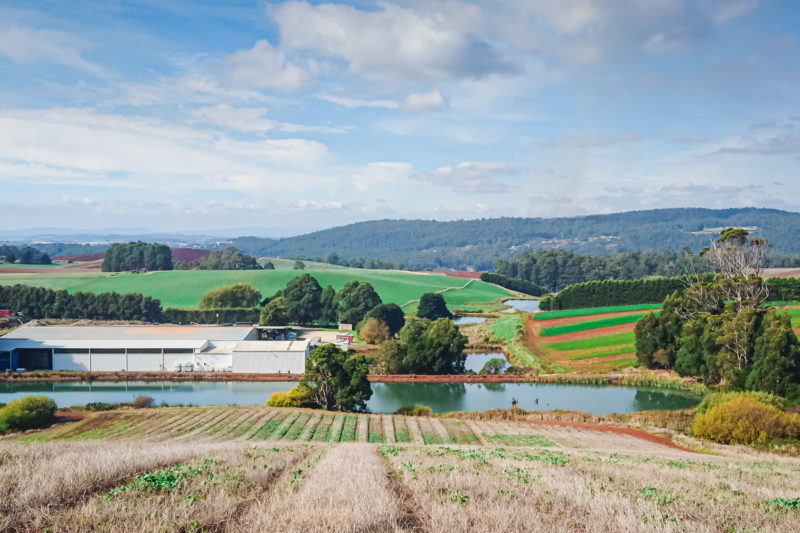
<point x="432" y="307"/>
<point x="299" y="265"/>
<point x="432" y="347"/>
<point x="775" y="360"/>
<point x="301" y="298"/>
<point x="137" y="255"/>
<point x="374" y="331"/>
<point x="274" y="314"/>
<point x="355" y="300"/>
<point x="391" y="314"/>
<point x="238" y="295"/>
<point x="739" y="261"/>
<point x="336" y="381"/>
<point x="228" y="259"/>
<point x="268" y="265"/>
<point x="327" y="302"/>
<point x="494" y="366"/>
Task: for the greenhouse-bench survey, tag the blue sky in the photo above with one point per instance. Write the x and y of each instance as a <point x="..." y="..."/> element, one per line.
<point x="283" y="117"/>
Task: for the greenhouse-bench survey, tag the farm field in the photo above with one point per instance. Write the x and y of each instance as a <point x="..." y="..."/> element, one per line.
<point x="228" y="469"/>
<point x="183" y="289"/>
<point x="591" y="340"/>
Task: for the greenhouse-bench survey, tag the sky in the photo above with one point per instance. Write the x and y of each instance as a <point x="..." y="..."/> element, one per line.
<point x="278" y="118"/>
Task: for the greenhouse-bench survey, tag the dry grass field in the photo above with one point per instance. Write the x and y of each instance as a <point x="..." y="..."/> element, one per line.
<point x="261" y="469"/>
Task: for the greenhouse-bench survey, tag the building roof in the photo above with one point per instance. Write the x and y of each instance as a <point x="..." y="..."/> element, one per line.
<point x="272" y="346"/>
<point x="129" y="333"/>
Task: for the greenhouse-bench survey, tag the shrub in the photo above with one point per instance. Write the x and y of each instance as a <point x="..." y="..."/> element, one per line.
<point x="374" y="331"/>
<point x="142" y="402"/>
<point x="27" y="413"/>
<point x="100" y="406"/>
<point x="416" y="410"/>
<point x="296" y="397"/>
<point x="716" y="398"/>
<point x="745" y="420"/>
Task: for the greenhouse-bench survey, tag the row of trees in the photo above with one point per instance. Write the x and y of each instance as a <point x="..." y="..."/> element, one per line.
<point x="515" y="284"/>
<point x="39" y="302"/>
<point x="613" y="292"/>
<point x="423" y="347"/>
<point x="305" y="302"/>
<point x="136" y="256"/>
<point x="719" y="329"/>
<point x="26" y="256"/>
<point x="228" y="259"/>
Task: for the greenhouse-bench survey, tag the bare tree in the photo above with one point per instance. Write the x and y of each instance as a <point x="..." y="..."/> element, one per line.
<point x="739" y="261"/>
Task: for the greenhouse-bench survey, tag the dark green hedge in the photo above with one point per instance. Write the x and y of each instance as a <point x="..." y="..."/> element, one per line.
<point x="229" y="315"/>
<point x="613" y="292"/>
<point x="515" y="284"/>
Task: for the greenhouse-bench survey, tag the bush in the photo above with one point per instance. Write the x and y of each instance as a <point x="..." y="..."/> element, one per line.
<point x="100" y="406"/>
<point x="745" y="420"/>
<point x="296" y="397"/>
<point x="716" y="398"/>
<point x="416" y="410"/>
<point x="374" y="331"/>
<point x="142" y="402"/>
<point x="27" y="413"/>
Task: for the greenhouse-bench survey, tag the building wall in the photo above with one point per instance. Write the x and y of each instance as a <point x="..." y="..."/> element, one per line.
<point x="269" y="362"/>
<point x="108" y="362"/>
<point x="144" y="362"/>
<point x="71" y="361"/>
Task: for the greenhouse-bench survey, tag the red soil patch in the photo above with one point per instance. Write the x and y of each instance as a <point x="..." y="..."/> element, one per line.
<point x="782" y="272"/>
<point x="189" y="254"/>
<point x="462" y="274"/>
<point x="582" y="362"/>
<point x="547" y="322"/>
<point x="589" y="333"/>
<point x="636" y="433"/>
<point x="81" y="257"/>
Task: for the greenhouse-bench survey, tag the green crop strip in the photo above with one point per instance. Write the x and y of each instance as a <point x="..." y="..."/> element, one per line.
<point x="604" y="341"/>
<point x="590" y="324"/>
<point x="349" y="429"/>
<point x="297" y="427"/>
<point x="628" y="348"/>
<point x="544" y="315"/>
<point x="270" y="427"/>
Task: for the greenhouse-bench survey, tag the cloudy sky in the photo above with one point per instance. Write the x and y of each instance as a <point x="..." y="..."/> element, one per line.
<point x="290" y="116"/>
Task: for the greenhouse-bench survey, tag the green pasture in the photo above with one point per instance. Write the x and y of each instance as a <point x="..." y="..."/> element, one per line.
<point x="607" y="341"/>
<point x="544" y="315"/>
<point x="794" y="314"/>
<point x="505" y="328"/>
<point x="184" y="289"/>
<point x="590" y="324"/>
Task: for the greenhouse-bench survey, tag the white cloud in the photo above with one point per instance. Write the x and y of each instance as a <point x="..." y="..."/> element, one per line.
<point x="247" y="119"/>
<point x="417" y="102"/>
<point x="27" y="45"/>
<point x="311" y="205"/>
<point x="778" y="145"/>
<point x="350" y="103"/>
<point x="391" y="43"/>
<point x="476" y="176"/>
<point x="733" y="9"/>
<point x="594" y="140"/>
<point x="263" y="67"/>
<point x="381" y="175"/>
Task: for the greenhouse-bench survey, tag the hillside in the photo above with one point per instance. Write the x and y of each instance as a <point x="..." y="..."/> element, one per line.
<point x="257" y="469"/>
<point x="477" y="244"/>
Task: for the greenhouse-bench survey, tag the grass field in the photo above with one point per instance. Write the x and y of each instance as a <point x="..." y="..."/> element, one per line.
<point x="545" y="315"/>
<point x="590" y="324"/>
<point x="226" y="469"/>
<point x="184" y="289"/>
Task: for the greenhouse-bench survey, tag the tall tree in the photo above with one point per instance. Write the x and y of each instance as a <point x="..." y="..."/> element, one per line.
<point x="301" y="299"/>
<point x="238" y="295"/>
<point x="433" y="306"/>
<point x="775" y="359"/>
<point x="355" y="300"/>
<point x="391" y="314"/>
<point x="337" y="381"/>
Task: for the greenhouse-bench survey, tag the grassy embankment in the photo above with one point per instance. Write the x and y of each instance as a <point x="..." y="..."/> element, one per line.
<point x="183" y="289"/>
<point x="259" y="469"/>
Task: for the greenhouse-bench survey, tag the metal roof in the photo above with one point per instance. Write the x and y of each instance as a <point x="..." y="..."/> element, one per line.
<point x="129" y="333"/>
<point x="271" y="346"/>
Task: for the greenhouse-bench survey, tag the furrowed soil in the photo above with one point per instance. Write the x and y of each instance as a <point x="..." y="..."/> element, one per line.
<point x="264" y="469"/>
<point x="588" y="334"/>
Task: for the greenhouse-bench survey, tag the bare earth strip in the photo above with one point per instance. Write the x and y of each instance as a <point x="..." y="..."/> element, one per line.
<point x="588" y="334"/>
<point x="547" y="322"/>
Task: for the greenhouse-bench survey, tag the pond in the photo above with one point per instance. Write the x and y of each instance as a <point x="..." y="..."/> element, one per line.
<point x="466" y="320"/>
<point x="386" y="398"/>
<point x="529" y="306"/>
<point x="475" y="361"/>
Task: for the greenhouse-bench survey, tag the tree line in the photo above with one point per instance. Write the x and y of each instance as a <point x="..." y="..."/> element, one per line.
<point x="228" y="259"/>
<point x="720" y="329"/>
<point x="137" y="256"/>
<point x="27" y="255"/>
<point x="39" y="302"/>
<point x="515" y="284"/>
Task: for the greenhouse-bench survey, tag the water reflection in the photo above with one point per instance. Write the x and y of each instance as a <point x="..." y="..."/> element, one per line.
<point x="386" y="398"/>
<point x="529" y="306"/>
<point x="466" y="320"/>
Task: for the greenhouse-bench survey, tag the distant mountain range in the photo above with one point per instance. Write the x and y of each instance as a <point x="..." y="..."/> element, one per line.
<point x="477" y="244"/>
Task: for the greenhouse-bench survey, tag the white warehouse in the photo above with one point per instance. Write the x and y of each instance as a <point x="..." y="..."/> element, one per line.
<point x="153" y="348"/>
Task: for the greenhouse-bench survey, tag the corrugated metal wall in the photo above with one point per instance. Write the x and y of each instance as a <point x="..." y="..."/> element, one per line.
<point x="144" y="362"/>
<point x="108" y="362"/>
<point x="71" y="361"/>
<point x="269" y="362"/>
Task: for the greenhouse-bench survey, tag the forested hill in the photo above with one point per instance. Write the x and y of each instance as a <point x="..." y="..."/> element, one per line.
<point x="480" y="243"/>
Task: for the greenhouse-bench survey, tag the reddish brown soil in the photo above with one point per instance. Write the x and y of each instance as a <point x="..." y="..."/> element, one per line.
<point x="782" y="272"/>
<point x="81" y="257"/>
<point x="462" y="274"/>
<point x="637" y="433"/>
<point x="189" y="254"/>
<point x="583" y="362"/>
<point x="589" y="333"/>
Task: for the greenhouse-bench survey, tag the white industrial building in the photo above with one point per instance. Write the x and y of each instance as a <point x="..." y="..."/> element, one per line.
<point x="153" y="348"/>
